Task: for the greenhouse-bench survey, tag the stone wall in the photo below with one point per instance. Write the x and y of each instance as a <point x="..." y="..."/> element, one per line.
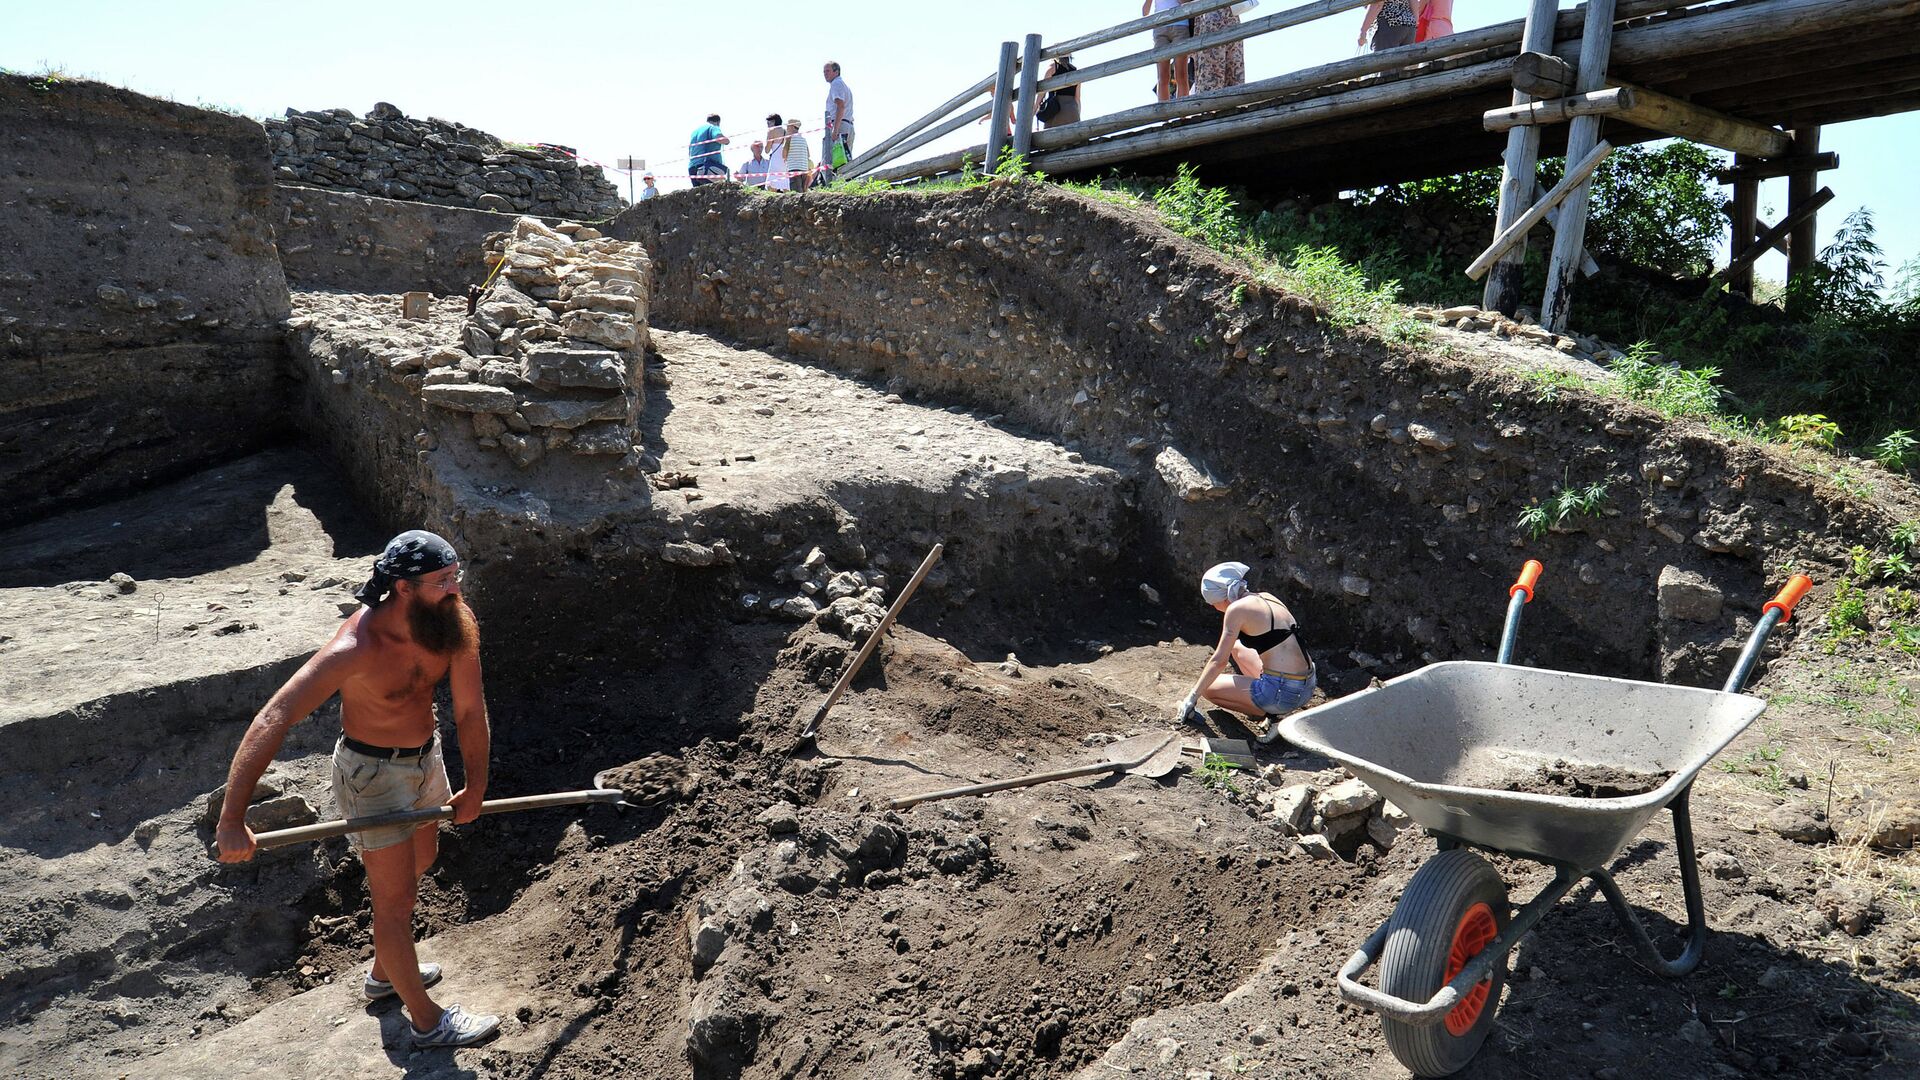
<point x="358" y="243"/>
<point x="1376" y="487"/>
<point x="387" y="154"/>
<point x="141" y="297"/>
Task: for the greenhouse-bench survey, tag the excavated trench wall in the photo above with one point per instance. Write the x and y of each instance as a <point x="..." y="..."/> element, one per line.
<point x="1376" y="486"/>
<point x="141" y="295"/>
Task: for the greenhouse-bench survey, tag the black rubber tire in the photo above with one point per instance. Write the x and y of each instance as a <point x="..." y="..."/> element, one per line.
<point x="1419" y="937"/>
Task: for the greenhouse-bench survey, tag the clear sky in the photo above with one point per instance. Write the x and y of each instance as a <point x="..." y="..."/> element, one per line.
<point x="634" y="78"/>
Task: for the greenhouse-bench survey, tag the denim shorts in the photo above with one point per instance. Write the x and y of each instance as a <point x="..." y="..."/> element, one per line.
<point x="1278" y="695"/>
<point x="365" y="785"/>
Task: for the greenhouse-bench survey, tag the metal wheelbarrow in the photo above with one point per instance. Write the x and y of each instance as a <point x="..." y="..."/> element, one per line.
<point x="1441" y="743"/>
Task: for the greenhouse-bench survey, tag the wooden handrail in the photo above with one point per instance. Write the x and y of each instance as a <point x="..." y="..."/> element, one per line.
<point x="1499" y="37"/>
<point x="1306" y="13"/>
<point x="865" y="161"/>
<point x="1133" y="26"/>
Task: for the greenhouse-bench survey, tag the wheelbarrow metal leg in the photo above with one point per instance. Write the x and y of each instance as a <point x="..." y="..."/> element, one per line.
<point x="1696" y="948"/>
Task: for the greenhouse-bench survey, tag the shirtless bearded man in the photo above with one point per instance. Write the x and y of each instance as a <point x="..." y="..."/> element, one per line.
<point x="385" y="660"/>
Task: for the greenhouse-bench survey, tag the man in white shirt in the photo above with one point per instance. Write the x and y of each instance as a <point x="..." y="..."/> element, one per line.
<point x="753" y="172"/>
<point x="799" y="157"/>
<point x="839" y="131"/>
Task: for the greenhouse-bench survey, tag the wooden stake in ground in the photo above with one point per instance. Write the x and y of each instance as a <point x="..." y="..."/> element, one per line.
<point x="873" y="639"/>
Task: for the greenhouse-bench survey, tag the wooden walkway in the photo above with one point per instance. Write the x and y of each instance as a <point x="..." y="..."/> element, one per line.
<point x="1757" y="77"/>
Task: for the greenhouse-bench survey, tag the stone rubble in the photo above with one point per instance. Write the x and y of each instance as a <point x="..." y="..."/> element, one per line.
<point x="387" y="154"/>
<point x="555" y="353"/>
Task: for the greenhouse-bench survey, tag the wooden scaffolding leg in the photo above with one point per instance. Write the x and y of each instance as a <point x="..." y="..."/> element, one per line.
<point x="1803" y="242"/>
<point x="1746" y="213"/>
<point x="1517" y="176"/>
<point x="1570" y="238"/>
<point x="1001" y="116"/>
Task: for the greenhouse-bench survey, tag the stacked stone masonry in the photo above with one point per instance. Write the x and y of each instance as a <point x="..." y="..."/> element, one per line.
<point x="390" y="155"/>
<point x="554" y="353"/>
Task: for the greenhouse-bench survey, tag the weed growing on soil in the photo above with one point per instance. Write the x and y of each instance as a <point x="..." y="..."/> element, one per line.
<point x="1565" y="503"/>
<point x="1216" y="773"/>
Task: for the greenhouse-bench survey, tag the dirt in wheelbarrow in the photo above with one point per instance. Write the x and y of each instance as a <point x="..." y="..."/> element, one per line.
<point x="1583" y="781"/>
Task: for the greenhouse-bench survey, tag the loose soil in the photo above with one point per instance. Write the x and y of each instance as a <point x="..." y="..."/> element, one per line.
<point x="762" y="915"/>
<point x="1585" y="781"/>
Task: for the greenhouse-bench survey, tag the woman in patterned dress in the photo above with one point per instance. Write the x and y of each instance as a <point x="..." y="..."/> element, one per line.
<point x="1223" y="65"/>
<point x="1393" y="24"/>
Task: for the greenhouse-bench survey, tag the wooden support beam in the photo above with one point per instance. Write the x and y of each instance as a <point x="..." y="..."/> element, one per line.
<point x="1772" y="236"/>
<point x="1596" y="45"/>
<point x="1518" y="169"/>
<point x="1513" y="234"/>
<point x="1588" y="267"/>
<point x="1653" y="110"/>
<point x="1744" y="212"/>
<point x="1768" y="170"/>
<point x="1542" y="75"/>
<point x="1660" y="112"/>
<point x="1024" y="108"/>
<point x="1002" y="104"/>
<point x="1612" y="101"/>
<point x="1800" y="208"/>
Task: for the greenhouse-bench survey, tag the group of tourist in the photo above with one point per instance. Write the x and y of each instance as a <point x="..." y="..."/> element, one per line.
<point x="782" y="159"/>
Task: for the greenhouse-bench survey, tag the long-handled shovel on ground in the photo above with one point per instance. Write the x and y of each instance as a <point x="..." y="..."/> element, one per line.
<point x="1152" y="754"/>
<point x="600" y="794"/>
<point x="866" y="650"/>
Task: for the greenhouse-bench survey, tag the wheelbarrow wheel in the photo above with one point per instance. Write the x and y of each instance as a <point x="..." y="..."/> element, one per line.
<point x="1453" y="907"/>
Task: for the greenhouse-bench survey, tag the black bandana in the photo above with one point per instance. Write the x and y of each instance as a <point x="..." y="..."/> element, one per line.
<point x="408" y="555"/>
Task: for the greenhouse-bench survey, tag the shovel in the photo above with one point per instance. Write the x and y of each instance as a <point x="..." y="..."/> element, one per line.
<point x="323" y="830"/>
<point x="1152" y="755"/>
<point x="866" y="650"/>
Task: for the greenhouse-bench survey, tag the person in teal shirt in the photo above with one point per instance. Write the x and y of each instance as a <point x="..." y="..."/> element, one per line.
<point x="705" y="163"/>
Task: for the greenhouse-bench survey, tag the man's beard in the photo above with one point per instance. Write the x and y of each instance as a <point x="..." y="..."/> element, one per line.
<point x="443" y="627"/>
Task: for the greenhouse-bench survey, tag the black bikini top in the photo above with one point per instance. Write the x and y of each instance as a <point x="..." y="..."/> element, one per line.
<point x="1260" y="643"/>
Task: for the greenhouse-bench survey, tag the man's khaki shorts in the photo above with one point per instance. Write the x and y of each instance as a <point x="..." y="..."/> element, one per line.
<point x="1170" y="33"/>
<point x="364" y="785"/>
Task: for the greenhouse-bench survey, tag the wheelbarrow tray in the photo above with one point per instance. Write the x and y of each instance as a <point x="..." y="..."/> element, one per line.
<point x="1437" y="741"/>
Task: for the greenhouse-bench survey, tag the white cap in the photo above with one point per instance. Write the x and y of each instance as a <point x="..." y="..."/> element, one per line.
<point x="1227" y="581"/>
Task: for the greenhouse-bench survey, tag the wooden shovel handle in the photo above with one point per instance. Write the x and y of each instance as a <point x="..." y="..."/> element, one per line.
<point x="873" y="639"/>
<point x="1030" y="779"/>
<point x="325" y="829"/>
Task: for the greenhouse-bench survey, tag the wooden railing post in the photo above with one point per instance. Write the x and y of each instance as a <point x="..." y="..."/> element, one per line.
<point x="1517" y="179"/>
<point x="1596" y="42"/>
<point x="1002" y="104"/>
<point x="1024" y="108"/>
<point x="1745" y="211"/>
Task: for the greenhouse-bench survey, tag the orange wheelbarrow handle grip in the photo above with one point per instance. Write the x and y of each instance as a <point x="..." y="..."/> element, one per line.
<point x="1529" y="577"/>
<point x="1789" y="595"/>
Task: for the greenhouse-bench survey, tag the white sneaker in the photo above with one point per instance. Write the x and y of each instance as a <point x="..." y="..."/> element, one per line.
<point x="457" y="1027"/>
<point x="1272" y="734"/>
<point x="376" y="989"/>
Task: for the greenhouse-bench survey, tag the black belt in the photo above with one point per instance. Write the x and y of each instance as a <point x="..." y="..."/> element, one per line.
<point x="391" y="753"/>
